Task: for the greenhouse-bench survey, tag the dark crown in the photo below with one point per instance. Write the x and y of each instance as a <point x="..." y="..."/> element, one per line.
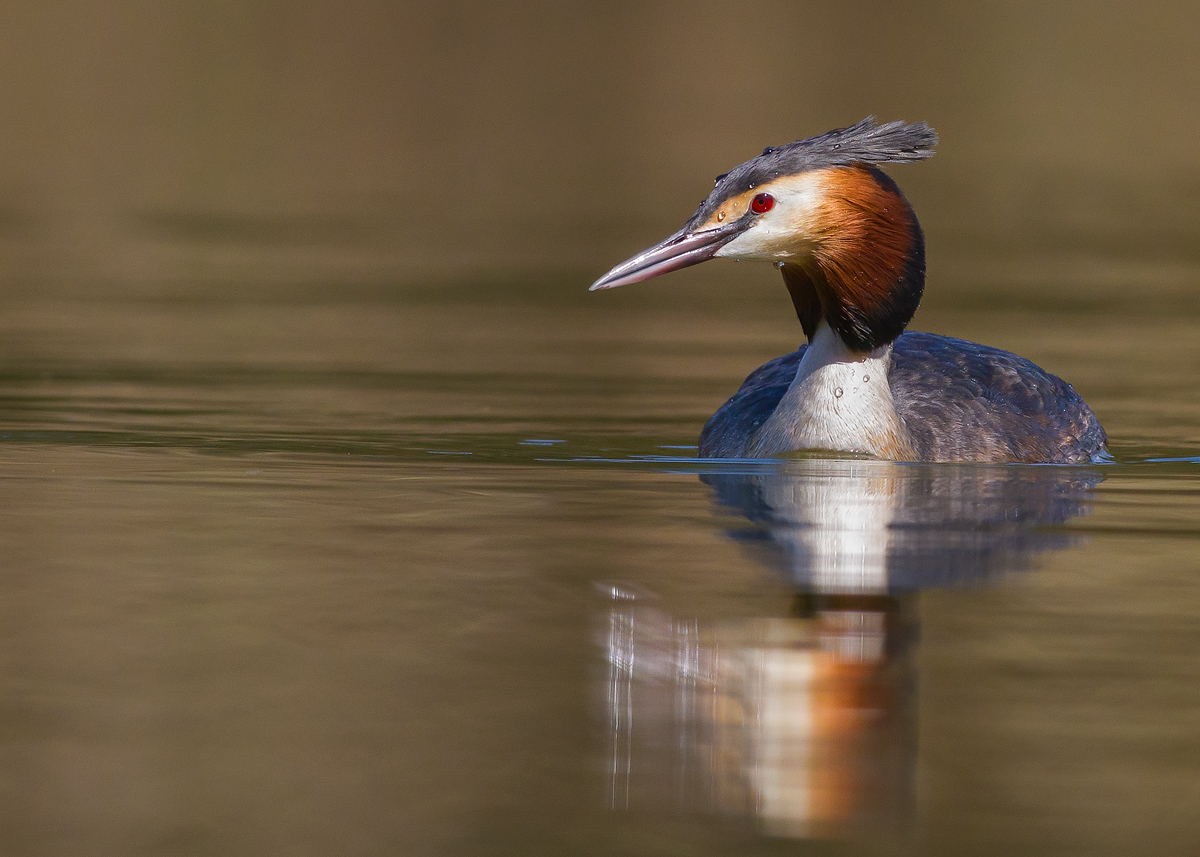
<point x="862" y="143"/>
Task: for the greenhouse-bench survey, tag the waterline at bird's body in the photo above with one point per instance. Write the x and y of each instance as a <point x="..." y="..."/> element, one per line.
<point x="852" y="256"/>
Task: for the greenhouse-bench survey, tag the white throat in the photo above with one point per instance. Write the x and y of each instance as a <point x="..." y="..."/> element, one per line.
<point x="840" y="401"/>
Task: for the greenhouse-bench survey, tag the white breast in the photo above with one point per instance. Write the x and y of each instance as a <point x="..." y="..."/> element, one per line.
<point x="839" y="401"/>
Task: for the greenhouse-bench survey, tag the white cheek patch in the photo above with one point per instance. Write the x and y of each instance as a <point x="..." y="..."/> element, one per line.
<point x="804" y="193"/>
<point x="757" y="242"/>
<point x="785" y="232"/>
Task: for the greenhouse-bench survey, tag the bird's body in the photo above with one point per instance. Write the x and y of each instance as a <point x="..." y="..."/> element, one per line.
<point x="853" y="259"/>
<point x="957" y="401"/>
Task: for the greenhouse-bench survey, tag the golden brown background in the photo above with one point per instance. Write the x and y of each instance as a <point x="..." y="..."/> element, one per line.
<point x="296" y="141"/>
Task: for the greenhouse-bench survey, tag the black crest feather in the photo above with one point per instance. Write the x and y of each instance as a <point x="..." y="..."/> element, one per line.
<point x="865" y="142"/>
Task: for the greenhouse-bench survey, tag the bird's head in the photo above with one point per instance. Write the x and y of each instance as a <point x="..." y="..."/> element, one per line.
<point x="851" y="250"/>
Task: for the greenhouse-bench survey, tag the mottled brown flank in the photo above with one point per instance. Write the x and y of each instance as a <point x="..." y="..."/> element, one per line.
<point x="869" y="258"/>
<point x="959" y="401"/>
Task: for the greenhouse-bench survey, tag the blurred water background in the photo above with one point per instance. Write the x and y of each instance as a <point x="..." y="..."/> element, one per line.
<point x="341" y="519"/>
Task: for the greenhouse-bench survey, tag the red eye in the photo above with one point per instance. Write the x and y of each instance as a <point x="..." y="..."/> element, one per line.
<point x="762" y="203"/>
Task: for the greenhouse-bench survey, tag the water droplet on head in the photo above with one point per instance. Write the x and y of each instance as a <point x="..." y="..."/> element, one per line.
<point x="768" y="150"/>
<point x="866" y="378"/>
<point x="720" y="216"/>
<point x="837" y="393"/>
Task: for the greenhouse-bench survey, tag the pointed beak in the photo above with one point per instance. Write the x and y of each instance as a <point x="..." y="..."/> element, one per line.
<point x="681" y="250"/>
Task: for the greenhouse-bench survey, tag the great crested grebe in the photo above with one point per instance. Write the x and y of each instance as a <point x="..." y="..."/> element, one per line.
<point x="853" y="259"/>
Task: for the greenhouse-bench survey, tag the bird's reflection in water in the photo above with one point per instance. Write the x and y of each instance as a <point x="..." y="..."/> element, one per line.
<point x="808" y="721"/>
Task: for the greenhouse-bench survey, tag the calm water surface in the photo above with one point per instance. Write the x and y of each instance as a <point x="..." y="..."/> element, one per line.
<point x="340" y="519"/>
<point x="436" y="572"/>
